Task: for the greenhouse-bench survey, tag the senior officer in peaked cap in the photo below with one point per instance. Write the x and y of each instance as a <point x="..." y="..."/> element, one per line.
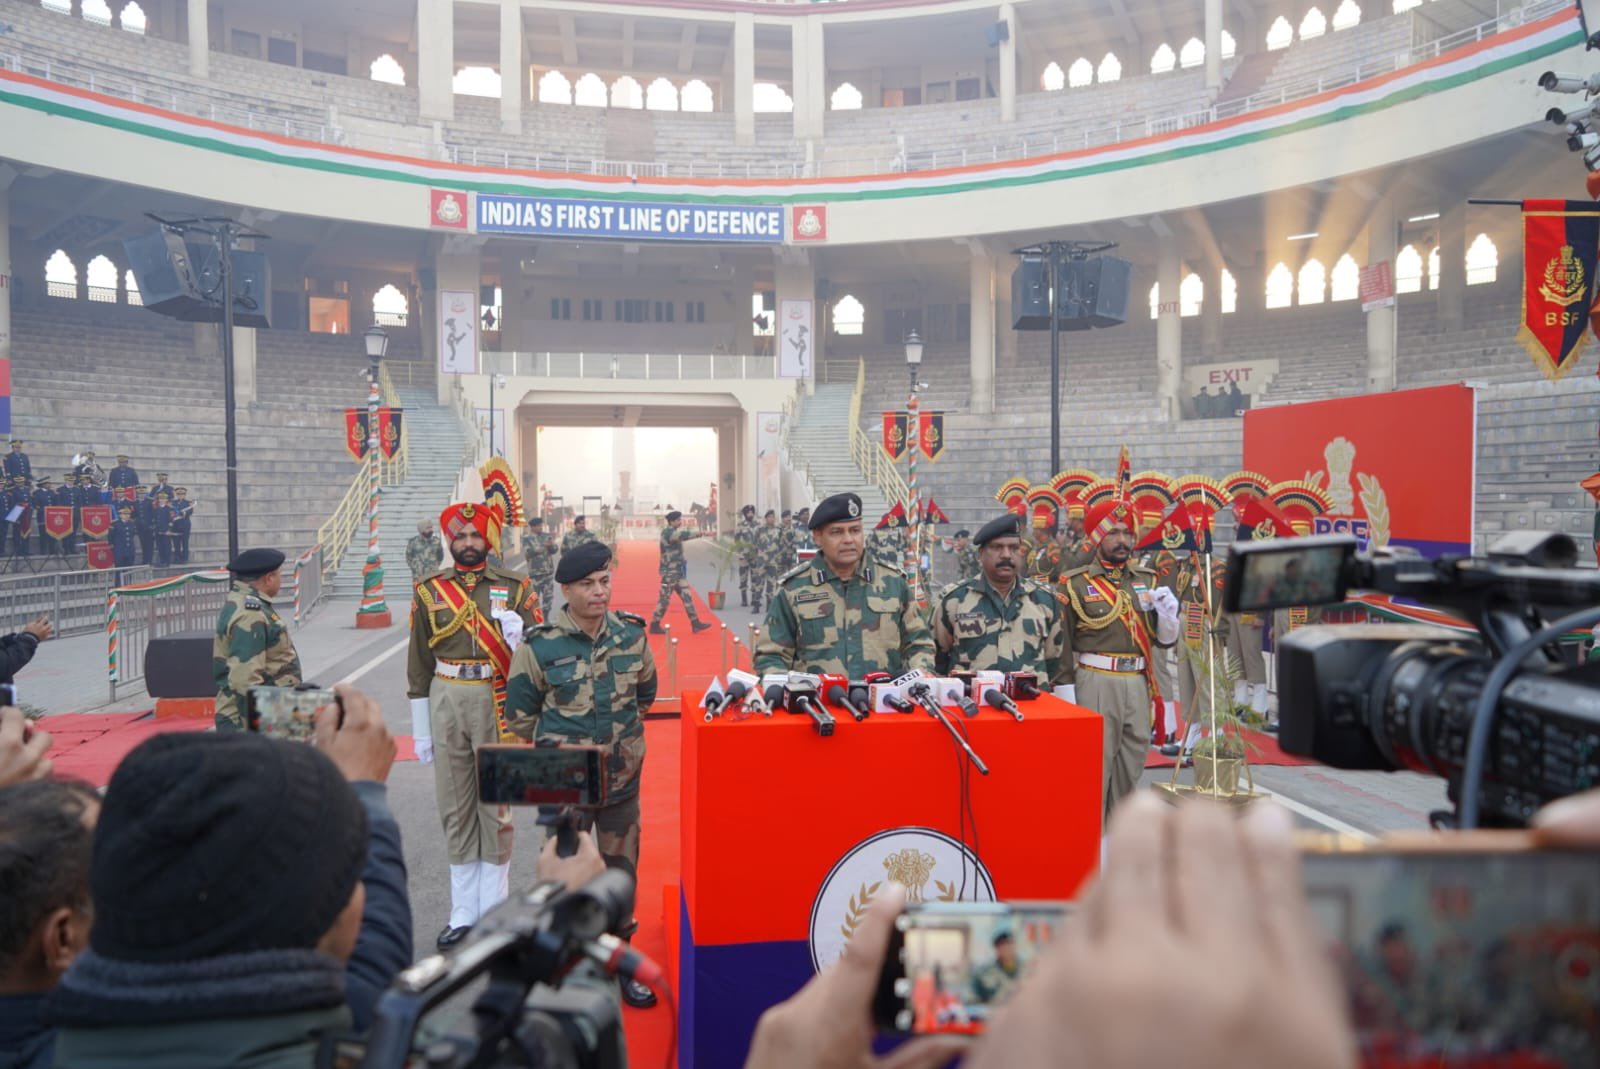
<point x="1000" y="620"/>
<point x="840" y="613"/>
<point x="251" y="647"/>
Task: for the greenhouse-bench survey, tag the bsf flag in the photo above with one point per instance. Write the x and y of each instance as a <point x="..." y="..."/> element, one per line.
<point x="894" y="434"/>
<point x="94" y="520"/>
<point x="355" y="432"/>
<point x="389" y="432"/>
<point x="1560" y="246"/>
<point x="930" y="433"/>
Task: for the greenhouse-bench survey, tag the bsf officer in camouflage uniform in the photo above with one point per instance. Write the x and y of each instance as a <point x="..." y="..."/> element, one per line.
<point x="466" y="619"/>
<point x="675" y="575"/>
<point x="539" y="552"/>
<point x="252" y="647"/>
<point x="576" y="537"/>
<point x="586" y="677"/>
<point x="749" y="560"/>
<point x="769" y="561"/>
<point x="838" y="613"/>
<point x="966" y="556"/>
<point x="1116" y="618"/>
<point x="424" y="552"/>
<point x="787" y="542"/>
<point x="1000" y="621"/>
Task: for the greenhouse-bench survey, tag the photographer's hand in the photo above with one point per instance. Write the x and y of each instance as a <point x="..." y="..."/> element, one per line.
<point x="362" y="746"/>
<point x="22" y="751"/>
<point x="574" y="871"/>
<point x="40" y="627"/>
<point x="1572" y="822"/>
<point x="828" y="1025"/>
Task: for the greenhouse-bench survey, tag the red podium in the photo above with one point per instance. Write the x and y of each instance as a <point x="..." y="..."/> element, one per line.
<point x="788" y="835"/>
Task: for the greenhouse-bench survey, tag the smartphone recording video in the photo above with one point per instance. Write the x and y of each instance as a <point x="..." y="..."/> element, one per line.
<point x="287" y="712"/>
<point x="541" y="775"/>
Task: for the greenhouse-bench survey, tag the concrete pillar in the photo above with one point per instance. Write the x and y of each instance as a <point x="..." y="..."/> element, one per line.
<point x="244" y="365"/>
<point x="1169" y="330"/>
<point x="1213" y="43"/>
<point x="6" y="177"/>
<point x="1211" y="316"/>
<point x="817" y="77"/>
<point x="436" y="58"/>
<point x="199" y="40"/>
<point x="800" y="77"/>
<point x="797" y="281"/>
<point x="1005" y="346"/>
<point x="980" y="273"/>
<point x="1008" y="65"/>
<point x="457" y="270"/>
<point x="1382" y="323"/>
<point x="513" y="69"/>
<point x="1452" y="294"/>
<point x="624" y="463"/>
<point x="744" y="78"/>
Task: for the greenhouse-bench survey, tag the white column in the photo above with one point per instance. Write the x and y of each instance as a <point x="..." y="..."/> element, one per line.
<point x="1211" y="315"/>
<point x="796" y="279"/>
<point x="513" y="68"/>
<point x="1008" y="65"/>
<point x="1452" y="263"/>
<point x="199" y="40"/>
<point x="981" y="312"/>
<point x="816" y="79"/>
<point x="800" y="78"/>
<point x="744" y="78"/>
<point x="1169" y="330"/>
<point x="1213" y="44"/>
<point x="1005" y="346"/>
<point x="6" y="177"/>
<point x="1382" y="239"/>
<point x="436" y="58"/>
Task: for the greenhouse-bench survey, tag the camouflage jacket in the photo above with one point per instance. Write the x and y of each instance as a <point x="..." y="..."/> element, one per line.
<point x="984" y="632"/>
<point x="435" y="634"/>
<point x="539" y="552"/>
<point x="786" y="540"/>
<point x="769" y="549"/>
<point x="745" y="532"/>
<point x="799" y="537"/>
<point x="1094" y="623"/>
<point x="251" y="648"/>
<point x="886" y="547"/>
<point x="574" y="538"/>
<point x="673" y="566"/>
<point x="966" y="563"/>
<point x="568" y="687"/>
<point x="818" y="622"/>
<point x="424" y="553"/>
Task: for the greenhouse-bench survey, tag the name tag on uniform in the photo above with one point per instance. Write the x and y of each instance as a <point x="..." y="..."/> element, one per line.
<point x="1092" y="593"/>
<point x="969" y="623"/>
<point x="498" y="596"/>
<point x="811" y="595"/>
<point x="559" y="661"/>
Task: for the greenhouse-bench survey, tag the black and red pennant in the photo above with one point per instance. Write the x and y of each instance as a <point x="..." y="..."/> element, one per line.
<point x="1560" y="251"/>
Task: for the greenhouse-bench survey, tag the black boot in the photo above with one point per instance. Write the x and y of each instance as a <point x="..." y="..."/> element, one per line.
<point x="656" y="628"/>
<point x="697" y="626"/>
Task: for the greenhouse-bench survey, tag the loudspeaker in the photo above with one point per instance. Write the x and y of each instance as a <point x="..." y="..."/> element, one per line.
<point x="162" y="267"/>
<point x="252" y="287"/>
<point x="1000" y="31"/>
<point x="1094" y="293"/>
<point x="1030" y="297"/>
<point x="179" y="666"/>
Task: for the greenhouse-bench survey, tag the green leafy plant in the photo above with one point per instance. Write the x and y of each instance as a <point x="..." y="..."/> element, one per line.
<point x="1227" y="741"/>
<point x="728" y="550"/>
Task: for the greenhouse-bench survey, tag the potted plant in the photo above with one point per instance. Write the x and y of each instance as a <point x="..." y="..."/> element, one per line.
<point x="727" y="552"/>
<point x="1222" y="754"/>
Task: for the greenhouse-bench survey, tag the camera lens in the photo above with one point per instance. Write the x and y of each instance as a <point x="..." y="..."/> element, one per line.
<point x="1422" y="705"/>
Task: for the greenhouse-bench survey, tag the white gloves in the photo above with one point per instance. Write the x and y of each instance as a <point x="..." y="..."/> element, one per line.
<point x="421" y="730"/>
<point x="1067" y="692"/>
<point x="510" y="627"/>
<point x="1165" y="603"/>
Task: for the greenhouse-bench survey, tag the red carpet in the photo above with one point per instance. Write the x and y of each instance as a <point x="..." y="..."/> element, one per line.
<point x="1265" y="753"/>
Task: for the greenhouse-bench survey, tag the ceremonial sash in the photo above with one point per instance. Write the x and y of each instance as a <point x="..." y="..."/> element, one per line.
<point x="1133" y="622"/>
<point x="487" y="633"/>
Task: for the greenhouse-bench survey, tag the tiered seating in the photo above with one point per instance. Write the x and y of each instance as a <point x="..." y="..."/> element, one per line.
<point x="1373" y="45"/>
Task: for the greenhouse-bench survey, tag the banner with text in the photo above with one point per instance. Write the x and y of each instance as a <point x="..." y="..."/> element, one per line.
<point x="548" y="216"/>
<point x="1399" y="466"/>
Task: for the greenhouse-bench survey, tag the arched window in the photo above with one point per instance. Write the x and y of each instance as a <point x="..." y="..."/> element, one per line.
<point x="1433" y="268"/>
<point x="845" y="98"/>
<point x="1053" y="78"/>
<point x="849" y="317"/>
<point x="1483" y="261"/>
<point x="1230" y="293"/>
<point x="1315" y="24"/>
<point x="1191" y="295"/>
<point x="1313" y="282"/>
<point x="390" y="307"/>
<point x="1081" y="73"/>
<point x="1408" y="270"/>
<point x="1155" y="299"/>
<point x="131" y="284"/>
<point x="554" y="88"/>
<point x="1280" y="34"/>
<point x="766" y="97"/>
<point x="1280" y="287"/>
<point x="1346" y="15"/>
<point x="1230" y="48"/>
<point x="60" y="7"/>
<point x="697" y="96"/>
<point x="1405" y="5"/>
<point x="134" y="20"/>
<point x="1192" y="54"/>
<point x="1345" y="281"/>
<point x="662" y="95"/>
<point x="99" y="13"/>
<point x="1164" y="60"/>
<point x="1110" y="69"/>
<point x="101" y="276"/>
<point x="590" y="92"/>
<point x="476" y="82"/>
<point x="387" y="69"/>
<point x="627" y="93"/>
<point x="61" y="275"/>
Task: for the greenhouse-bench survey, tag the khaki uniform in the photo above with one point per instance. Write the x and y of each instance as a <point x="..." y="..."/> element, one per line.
<point x="1119" y="690"/>
<point x="1022" y="632"/>
<point x="818" y="623"/>
<point x="251" y="648"/>
<point x="1196" y="679"/>
<point x="568" y="687"/>
<point x="1165" y="565"/>
<point x="461" y="714"/>
<point x="1076" y="555"/>
<point x="1244" y="646"/>
<point x="1044" y="563"/>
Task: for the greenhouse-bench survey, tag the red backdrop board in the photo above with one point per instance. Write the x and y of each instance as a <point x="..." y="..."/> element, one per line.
<point x="1400" y="466"/>
<point x="787" y="834"/>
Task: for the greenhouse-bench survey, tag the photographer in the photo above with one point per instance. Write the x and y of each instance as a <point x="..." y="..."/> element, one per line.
<point x="22" y="749"/>
<point x="17" y="649"/>
<point x="249" y="899"/>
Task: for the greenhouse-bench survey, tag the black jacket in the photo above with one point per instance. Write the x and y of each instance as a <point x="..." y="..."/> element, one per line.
<point x="16" y="650"/>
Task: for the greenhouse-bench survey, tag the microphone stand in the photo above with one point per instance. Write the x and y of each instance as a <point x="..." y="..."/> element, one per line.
<point x="923" y="696"/>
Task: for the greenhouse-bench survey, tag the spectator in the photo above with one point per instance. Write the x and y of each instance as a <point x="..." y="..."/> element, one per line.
<point x="16" y="650"/>
<point x="250" y="899"/>
<point x="46" y="828"/>
<point x="22" y="749"/>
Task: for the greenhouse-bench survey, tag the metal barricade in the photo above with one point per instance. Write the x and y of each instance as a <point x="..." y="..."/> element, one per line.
<point x="75" y="601"/>
<point x="306" y="583"/>
<point x="136" y="613"/>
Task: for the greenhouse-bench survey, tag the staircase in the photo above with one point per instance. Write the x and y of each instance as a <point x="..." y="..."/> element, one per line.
<point x="820" y="440"/>
<point x="435" y="449"/>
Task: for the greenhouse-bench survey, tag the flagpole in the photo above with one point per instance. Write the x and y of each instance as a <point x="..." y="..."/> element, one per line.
<point x="1211" y="674"/>
<point x="373" y="611"/>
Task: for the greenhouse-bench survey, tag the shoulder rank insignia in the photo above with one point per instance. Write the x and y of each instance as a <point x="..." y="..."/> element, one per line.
<point x="252" y="603"/>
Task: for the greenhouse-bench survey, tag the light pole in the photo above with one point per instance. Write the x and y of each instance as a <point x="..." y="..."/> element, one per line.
<point x="914" y="506"/>
<point x="373" y="611"/>
<point x="494" y="380"/>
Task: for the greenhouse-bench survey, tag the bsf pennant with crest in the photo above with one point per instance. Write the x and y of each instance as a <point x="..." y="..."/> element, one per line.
<point x="389" y="432"/>
<point x="894" y="434"/>
<point x="58" y="521"/>
<point x="355" y="432"/>
<point x="95" y="520"/>
<point x="1560" y="246"/>
<point x="930" y="433"/>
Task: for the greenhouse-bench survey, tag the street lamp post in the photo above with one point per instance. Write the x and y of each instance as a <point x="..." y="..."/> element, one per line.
<point x="494" y="380"/>
<point x="914" y="506"/>
<point x="373" y="611"/>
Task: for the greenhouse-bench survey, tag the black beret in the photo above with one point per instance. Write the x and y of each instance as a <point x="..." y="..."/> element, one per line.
<point x="1007" y="526"/>
<point x="748" y="508"/>
<point x="674" y="515"/>
<point x="535" y="521"/>
<point x="835" y="509"/>
<point x="963" y="533"/>
<point x="254" y="563"/>
<point x="582" y="561"/>
<point x="772" y="513"/>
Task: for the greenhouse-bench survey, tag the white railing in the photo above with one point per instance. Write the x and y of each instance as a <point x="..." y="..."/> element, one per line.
<point x="631" y="365"/>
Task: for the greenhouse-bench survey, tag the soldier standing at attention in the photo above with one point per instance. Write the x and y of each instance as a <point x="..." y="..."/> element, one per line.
<point x="1200" y="612"/>
<point x="465" y="620"/>
<point x="675" y="575"/>
<point x="67" y="497"/>
<point x="161" y="528"/>
<point x="576" y="537"/>
<point x="122" y="476"/>
<point x="18" y="496"/>
<point x="161" y="486"/>
<point x="540" y="552"/>
<point x="840" y="614"/>
<point x="124" y="553"/>
<point x="1117" y="617"/>
<point x="43" y="497"/>
<point x="749" y="559"/>
<point x="424" y="553"/>
<point x="182" y="524"/>
<point x="144" y="522"/>
<point x="1000" y="621"/>
<point x="769" y="561"/>
<point x="252" y="647"/>
<point x="966" y="555"/>
<point x="17" y="462"/>
<point x="787" y="541"/>
<point x="586" y="677"/>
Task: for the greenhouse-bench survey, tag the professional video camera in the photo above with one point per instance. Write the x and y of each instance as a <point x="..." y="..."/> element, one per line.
<point x="1501" y="715"/>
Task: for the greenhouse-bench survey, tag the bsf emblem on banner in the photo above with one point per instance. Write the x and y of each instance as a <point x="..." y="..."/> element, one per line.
<point x="894" y="434"/>
<point x="1563" y="279"/>
<point x="355" y="432"/>
<point x="931" y="433"/>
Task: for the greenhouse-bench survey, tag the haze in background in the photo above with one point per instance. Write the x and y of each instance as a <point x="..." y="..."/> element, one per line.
<point x="675" y="465"/>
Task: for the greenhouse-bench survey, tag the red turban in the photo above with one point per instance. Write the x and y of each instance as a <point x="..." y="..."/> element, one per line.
<point x="1102" y="517"/>
<point x="485" y="519"/>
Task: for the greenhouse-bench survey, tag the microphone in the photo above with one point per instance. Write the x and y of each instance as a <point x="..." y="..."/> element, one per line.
<point x="1023" y="685"/>
<point x="713" y="699"/>
<point x="861" y="690"/>
<point x="802" y="698"/>
<point x="888" y="698"/>
<point x="741" y="687"/>
<point x="989" y="688"/>
<point x="925" y="694"/>
<point x="772" y="689"/>
<point x="836" y="689"/>
<point x="968" y="707"/>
